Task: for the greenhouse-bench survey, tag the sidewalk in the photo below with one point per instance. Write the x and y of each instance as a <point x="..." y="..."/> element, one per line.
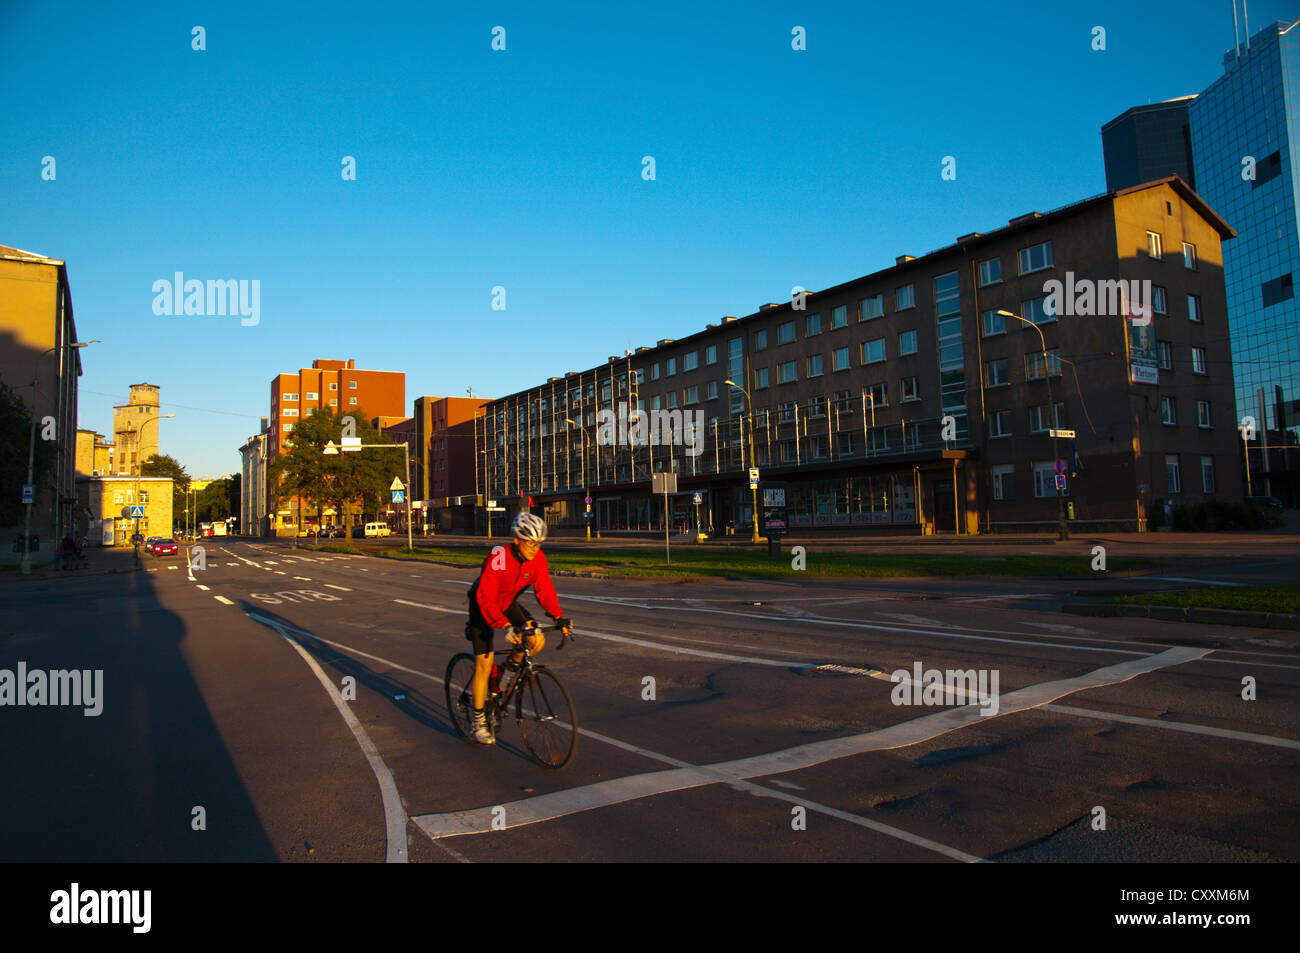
<point x="100" y="562"/>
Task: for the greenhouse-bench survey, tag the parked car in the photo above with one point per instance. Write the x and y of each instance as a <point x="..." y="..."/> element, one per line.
<point x="164" y="547"/>
<point x="1272" y="502"/>
<point x="149" y="541"/>
<point x="377" y="530"/>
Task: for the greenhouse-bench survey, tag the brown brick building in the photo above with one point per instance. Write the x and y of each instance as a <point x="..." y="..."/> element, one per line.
<point x="903" y="400"/>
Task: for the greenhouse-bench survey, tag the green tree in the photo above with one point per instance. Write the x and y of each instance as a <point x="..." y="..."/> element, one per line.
<point x="165" y="465"/>
<point x="15" y="440"/>
<point x="339" y="481"/>
<point x="213" y="502"/>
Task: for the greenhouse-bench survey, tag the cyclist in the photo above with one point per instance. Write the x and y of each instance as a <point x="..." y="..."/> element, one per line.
<point x="493" y="604"/>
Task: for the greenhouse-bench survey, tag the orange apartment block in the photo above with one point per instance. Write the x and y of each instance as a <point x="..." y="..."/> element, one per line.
<point x="338" y="385"/>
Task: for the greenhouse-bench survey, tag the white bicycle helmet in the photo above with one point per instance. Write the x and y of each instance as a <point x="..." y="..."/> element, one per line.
<point x="529" y="527"/>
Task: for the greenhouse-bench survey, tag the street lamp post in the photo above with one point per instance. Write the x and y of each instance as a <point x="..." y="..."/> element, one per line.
<point x="1053" y="424"/>
<point x="25" y="565"/>
<point x="749" y="411"/>
<point x="583" y="456"/>
<point x="139" y="465"/>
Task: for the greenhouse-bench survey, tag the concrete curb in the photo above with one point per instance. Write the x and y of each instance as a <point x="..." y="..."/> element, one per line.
<point x="1260" y="620"/>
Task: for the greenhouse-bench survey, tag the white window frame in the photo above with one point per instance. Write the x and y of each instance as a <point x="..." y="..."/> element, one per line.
<point x="985" y="273"/>
<point x="903" y="335"/>
<point x="1003" y="476"/>
<point x="1026" y="258"/>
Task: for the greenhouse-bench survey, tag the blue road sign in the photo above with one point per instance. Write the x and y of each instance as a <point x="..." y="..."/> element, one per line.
<point x="1060" y="466"/>
<point x="29" y="491"/>
<point x="699" y="498"/>
<point x="137" y="512"/>
<point x="399" y="496"/>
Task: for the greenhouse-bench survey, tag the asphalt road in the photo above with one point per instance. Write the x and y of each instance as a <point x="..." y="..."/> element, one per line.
<point x="219" y="740"/>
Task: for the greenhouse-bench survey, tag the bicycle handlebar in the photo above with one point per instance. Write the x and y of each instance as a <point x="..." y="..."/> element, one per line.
<point x="543" y="628"/>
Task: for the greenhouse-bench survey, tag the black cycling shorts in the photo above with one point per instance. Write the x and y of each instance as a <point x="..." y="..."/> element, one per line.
<point x="480" y="633"/>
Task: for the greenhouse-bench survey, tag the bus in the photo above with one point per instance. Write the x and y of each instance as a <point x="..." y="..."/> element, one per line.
<point x="205" y="530"/>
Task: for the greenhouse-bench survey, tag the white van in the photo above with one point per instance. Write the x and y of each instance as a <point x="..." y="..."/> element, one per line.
<point x="377" y="529"/>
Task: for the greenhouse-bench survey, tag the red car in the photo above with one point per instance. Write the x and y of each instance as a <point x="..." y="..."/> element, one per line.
<point x="164" y="547"/>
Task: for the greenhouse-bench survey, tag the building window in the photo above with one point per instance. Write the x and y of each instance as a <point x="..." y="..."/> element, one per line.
<point x="760" y="340"/>
<point x="1169" y="411"/>
<point x="817" y="406"/>
<point x="312" y="395"/>
<point x="1038" y="418"/>
<point x="1207" y="474"/>
<point x="907" y="343"/>
<point x="654" y="372"/>
<point x="787" y="451"/>
<point x="1173" y="477"/>
<point x="872" y="307"/>
<point x="814" y="365"/>
<point x="1165" y="355"/>
<point x="1000" y="424"/>
<point x="639" y="375"/>
<point x="144" y="497"/>
<point x="1035" y="258"/>
<point x="287" y="397"/>
<point x="787" y="412"/>
<point x="909" y="389"/>
<point x="672" y="399"/>
<point x="814" y="325"/>
<point x="873" y="352"/>
<point x="787" y="372"/>
<point x="713" y="389"/>
<point x="352" y="401"/>
<point x="117" y="499"/>
<point x="1004" y="481"/>
<point x="711" y="354"/>
<point x="690" y="361"/>
<point x="997" y="372"/>
<point x="1203" y="414"/>
<point x="288" y="427"/>
<point x="1045" y="480"/>
<point x="1198" y="360"/>
<point x="1159" y="300"/>
<point x="841" y="358"/>
<point x="655" y="402"/>
<point x="785" y="332"/>
<point x="760" y="378"/>
<point x="352" y="385"/>
<point x="693" y="395"/>
<point x="817" y="447"/>
<point x="1189" y="256"/>
<point x="1277" y="290"/>
<point x="334" y="401"/>
<point x="839" y="317"/>
<point x="1155" y="248"/>
<point x="843" y="402"/>
<point x="1194" y="308"/>
<point x="990" y="272"/>
<point x="994" y="323"/>
<point x="334" y="385"/>
<point x="290" y="412"/>
<point x="670" y="370"/>
<point x="878" y="440"/>
<point x="905" y="297"/>
<point x="878" y="395"/>
<point x="1036" y="310"/>
<point x="1036" y="368"/>
<point x="848" y="445"/>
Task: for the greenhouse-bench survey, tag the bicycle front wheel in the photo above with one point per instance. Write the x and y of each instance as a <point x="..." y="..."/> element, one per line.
<point x="460" y="684"/>
<point x="547" y="719"/>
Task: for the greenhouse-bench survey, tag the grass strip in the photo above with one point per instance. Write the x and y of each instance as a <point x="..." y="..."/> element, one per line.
<point x="1280" y="598"/>
<point x="820" y="563"/>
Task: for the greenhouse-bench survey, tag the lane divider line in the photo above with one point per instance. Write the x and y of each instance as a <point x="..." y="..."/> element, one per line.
<point x="394" y="814"/>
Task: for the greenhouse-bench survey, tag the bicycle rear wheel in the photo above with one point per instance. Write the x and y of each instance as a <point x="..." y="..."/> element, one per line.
<point x="547" y="719"/>
<point x="459" y="683"/>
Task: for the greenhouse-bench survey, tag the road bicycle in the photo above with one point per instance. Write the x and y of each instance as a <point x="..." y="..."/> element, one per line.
<point x="543" y="709"/>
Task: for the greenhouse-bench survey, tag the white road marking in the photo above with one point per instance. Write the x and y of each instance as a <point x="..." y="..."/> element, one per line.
<point x="1060" y="627"/>
<point x="394" y="815"/>
<point x="1199" y="582"/>
<point x="1010" y="595"/>
<point x="620" y="790"/>
<point x="232" y="564"/>
<point x="330" y="585"/>
<point x="223" y="599"/>
<point x="748" y="786"/>
<point x="204" y="588"/>
<point x="1177" y="726"/>
<point x="302" y="578"/>
<point x="271" y="562"/>
<point x="280" y="572"/>
<point x="241" y="558"/>
<point x="912" y="619"/>
<point x="173" y="567"/>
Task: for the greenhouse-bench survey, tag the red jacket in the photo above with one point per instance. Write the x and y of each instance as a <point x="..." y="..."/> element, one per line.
<point x="505" y="577"/>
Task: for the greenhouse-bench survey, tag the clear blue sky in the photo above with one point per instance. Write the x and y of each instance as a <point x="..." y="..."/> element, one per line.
<point x="523" y="169"/>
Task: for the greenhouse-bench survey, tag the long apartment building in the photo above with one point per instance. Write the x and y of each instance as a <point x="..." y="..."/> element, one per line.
<point x="903" y="400"/>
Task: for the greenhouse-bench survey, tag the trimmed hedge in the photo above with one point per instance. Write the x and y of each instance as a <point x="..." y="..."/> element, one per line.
<point x="1216" y="516"/>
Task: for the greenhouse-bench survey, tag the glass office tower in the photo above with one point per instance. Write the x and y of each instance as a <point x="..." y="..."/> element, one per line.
<point x="1244" y="131"/>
